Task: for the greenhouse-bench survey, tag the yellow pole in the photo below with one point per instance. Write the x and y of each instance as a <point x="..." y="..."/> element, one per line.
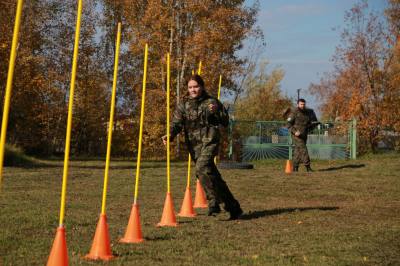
<point x="199" y="69"/>
<point x="188" y="172"/>
<point x="110" y="125"/>
<point x="10" y="75"/>
<point x="70" y="108"/>
<point x="219" y="86"/>
<point x="141" y="124"/>
<point x="168" y="124"/>
<point x="189" y="157"/>
<point x="219" y="96"/>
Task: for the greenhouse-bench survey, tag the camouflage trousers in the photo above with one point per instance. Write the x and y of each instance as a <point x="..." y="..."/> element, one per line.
<point x="214" y="186"/>
<point x="300" y="154"/>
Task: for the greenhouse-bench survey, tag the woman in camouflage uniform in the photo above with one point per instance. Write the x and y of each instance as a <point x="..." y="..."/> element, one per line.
<point x="199" y="115"/>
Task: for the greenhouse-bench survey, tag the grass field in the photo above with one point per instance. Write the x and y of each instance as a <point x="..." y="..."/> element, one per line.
<point x="345" y="213"/>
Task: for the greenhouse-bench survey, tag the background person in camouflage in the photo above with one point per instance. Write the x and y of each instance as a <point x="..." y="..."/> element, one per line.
<point x="200" y="115"/>
<point x="300" y="122"/>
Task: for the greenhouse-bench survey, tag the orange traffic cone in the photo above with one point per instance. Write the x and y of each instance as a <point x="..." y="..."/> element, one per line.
<point x="101" y="249"/>
<point x="187" y="205"/>
<point x="168" y="215"/>
<point x="58" y="254"/>
<point x="133" y="232"/>
<point x="289" y="167"/>
<point x="200" y="197"/>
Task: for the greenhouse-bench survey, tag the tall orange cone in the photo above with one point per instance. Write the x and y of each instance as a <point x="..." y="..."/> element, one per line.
<point x="168" y="216"/>
<point x="187" y="205"/>
<point x="133" y="232"/>
<point x="101" y="249"/>
<point x="200" y="197"/>
<point x="289" y="167"/>
<point x="58" y="254"/>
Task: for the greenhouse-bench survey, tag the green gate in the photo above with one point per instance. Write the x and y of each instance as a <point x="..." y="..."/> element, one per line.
<point x="257" y="140"/>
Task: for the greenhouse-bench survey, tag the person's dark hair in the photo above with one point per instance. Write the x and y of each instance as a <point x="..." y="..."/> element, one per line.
<point x="196" y="78"/>
<point x="301" y="100"/>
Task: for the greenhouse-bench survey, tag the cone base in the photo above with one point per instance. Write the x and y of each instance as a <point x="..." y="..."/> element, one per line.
<point x="189" y="215"/>
<point x="167" y="224"/>
<point x="133" y="232"/>
<point x="101" y="249"/>
<point x="200" y="206"/>
<point x="131" y="240"/>
<point x="200" y="197"/>
<point x="94" y="257"/>
<point x="168" y="215"/>
<point x="289" y="167"/>
<point x="58" y="254"/>
<point x="187" y="205"/>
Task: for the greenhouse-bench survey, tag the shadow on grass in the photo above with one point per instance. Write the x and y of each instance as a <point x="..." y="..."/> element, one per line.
<point x="60" y="165"/>
<point x="342" y="167"/>
<point x="100" y="165"/>
<point x="259" y="214"/>
<point x="159" y="238"/>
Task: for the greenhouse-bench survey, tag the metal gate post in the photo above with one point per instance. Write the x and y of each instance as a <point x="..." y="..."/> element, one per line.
<point x="354" y="139"/>
<point x="290" y="146"/>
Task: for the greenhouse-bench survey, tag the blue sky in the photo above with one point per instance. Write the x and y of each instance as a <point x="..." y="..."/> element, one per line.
<point x="300" y="38"/>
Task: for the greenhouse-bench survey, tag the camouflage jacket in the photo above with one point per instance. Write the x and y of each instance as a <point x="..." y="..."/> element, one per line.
<point x="302" y="121"/>
<point x="200" y="125"/>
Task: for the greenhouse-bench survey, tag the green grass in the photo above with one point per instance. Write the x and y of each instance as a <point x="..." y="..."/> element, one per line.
<point x="345" y="213"/>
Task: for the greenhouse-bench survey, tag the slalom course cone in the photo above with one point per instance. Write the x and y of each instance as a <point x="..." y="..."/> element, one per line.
<point x="101" y="249"/>
<point x="133" y="232"/>
<point x="58" y="254"/>
<point x="200" y="198"/>
<point x="168" y="216"/>
<point x="187" y="205"/>
<point x="289" y="167"/>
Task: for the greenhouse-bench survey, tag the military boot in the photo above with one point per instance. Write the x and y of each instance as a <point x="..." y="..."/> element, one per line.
<point x="235" y="213"/>
<point x="295" y="168"/>
<point x="214" y="210"/>
<point x="308" y="167"/>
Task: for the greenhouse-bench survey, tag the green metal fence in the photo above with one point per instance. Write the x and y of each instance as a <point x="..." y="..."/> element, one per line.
<point x="256" y="140"/>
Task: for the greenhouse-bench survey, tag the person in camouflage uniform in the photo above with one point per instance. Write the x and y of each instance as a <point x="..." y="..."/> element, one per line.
<point x="300" y="122"/>
<point x="199" y="115"/>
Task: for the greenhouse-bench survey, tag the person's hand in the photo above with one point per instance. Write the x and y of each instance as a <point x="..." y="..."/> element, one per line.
<point x="297" y="133"/>
<point x="212" y="107"/>
<point x="164" y="139"/>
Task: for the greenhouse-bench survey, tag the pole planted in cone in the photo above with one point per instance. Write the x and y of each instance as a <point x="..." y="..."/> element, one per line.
<point x="58" y="255"/>
<point x="187" y="205"/>
<point x="289" y="167"/>
<point x="200" y="200"/>
<point x="133" y="233"/>
<point x="168" y="216"/>
<point x="101" y="248"/>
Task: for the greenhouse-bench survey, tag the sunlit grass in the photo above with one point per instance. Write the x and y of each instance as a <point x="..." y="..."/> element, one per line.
<point x="345" y="213"/>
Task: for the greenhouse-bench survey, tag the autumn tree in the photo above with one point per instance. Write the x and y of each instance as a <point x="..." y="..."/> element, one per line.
<point x="191" y="31"/>
<point x="35" y="103"/>
<point x="392" y="98"/>
<point x="210" y="31"/>
<point x="358" y="87"/>
<point x="262" y="99"/>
